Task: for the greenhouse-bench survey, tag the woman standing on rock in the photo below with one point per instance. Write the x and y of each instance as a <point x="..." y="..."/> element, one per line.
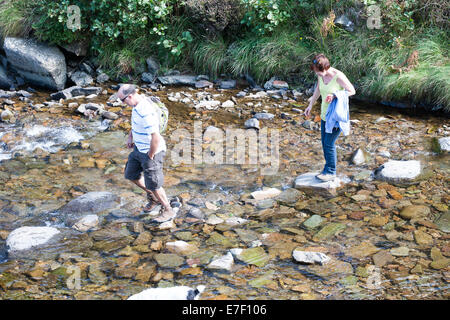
<point x="330" y="81"/>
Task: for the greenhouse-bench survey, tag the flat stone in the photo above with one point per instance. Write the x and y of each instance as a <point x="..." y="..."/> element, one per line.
<point x="445" y="144"/>
<point x="181" y="247"/>
<point x="289" y="196"/>
<point x="168" y="260"/>
<point x="415" y="211"/>
<point x="252" y="123"/>
<point x="86" y="223"/>
<point x="328" y="231"/>
<point x="256" y="256"/>
<point x="362" y="250"/>
<point x="313" y="222"/>
<point x="264" y="116"/>
<point x="332" y="268"/>
<point x="309" y="184"/>
<point x="423" y="238"/>
<point x="266" y="193"/>
<point x="400" y="251"/>
<point x="443" y="222"/>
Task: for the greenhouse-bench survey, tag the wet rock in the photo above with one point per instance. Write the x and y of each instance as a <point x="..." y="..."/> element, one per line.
<point x="309" y="184"/>
<point x="362" y="250"/>
<point x="181" y="247"/>
<point x="89" y="203"/>
<point x="332" y="268"/>
<point x="225" y="262"/>
<point x="196" y="213"/>
<point x="75" y="91"/>
<point x="414" y="212"/>
<point x="328" y="231"/>
<point x="152" y="65"/>
<point x="5" y="81"/>
<point x="235" y="221"/>
<point x="148" y="77"/>
<point x="444" y="144"/>
<point x="96" y="275"/>
<point x="382" y="258"/>
<point x="168" y="260"/>
<point x="313" y="222"/>
<point x="220" y="240"/>
<point x="227" y="84"/>
<point x="36" y="62"/>
<point x="81" y="78"/>
<point x="289" y="196"/>
<point x="228" y="104"/>
<point x="110" y="115"/>
<point x="86" y="223"/>
<point x="25" y="238"/>
<point x="443" y="222"/>
<point x="310" y="257"/>
<point x="400" y="252"/>
<point x="252" y="123"/>
<point x="79" y="48"/>
<point x="400" y="172"/>
<point x="177" y="80"/>
<point x="102" y="78"/>
<point x="422" y="238"/>
<point x="203" y="84"/>
<point x="264" y="116"/>
<point x="214" y="220"/>
<point x="266" y="193"/>
<point x="359" y="157"/>
<point x="7" y="116"/>
<point x="273" y="83"/>
<point x="256" y="256"/>
<point x="169" y="293"/>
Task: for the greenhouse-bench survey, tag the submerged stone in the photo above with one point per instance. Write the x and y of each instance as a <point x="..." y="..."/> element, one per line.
<point x="256" y="256"/>
<point x="328" y="231"/>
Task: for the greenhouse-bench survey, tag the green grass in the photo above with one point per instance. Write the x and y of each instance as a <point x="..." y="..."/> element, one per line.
<point x="15" y="18"/>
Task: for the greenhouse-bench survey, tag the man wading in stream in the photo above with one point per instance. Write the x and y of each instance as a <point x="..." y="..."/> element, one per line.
<point x="149" y="149"/>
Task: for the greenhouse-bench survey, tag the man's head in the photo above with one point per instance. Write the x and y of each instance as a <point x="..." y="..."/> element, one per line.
<point x="128" y="94"/>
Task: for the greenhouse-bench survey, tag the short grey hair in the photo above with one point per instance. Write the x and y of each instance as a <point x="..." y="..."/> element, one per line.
<point x="127" y="89"/>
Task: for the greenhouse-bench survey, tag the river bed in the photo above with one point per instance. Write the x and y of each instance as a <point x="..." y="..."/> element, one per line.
<point x="53" y="155"/>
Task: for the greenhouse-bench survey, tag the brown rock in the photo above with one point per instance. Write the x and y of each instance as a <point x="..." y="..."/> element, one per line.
<point x="423" y="238"/>
<point x="145" y="272"/>
<point x="382" y="258"/>
<point x="379" y="221"/>
<point x="395" y="194"/>
<point x="414" y="211"/>
<point x="356" y="215"/>
<point x="143" y="238"/>
<point x="362" y="250"/>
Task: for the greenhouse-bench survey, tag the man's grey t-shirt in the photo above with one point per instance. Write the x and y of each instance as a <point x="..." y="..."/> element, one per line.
<point x="145" y="122"/>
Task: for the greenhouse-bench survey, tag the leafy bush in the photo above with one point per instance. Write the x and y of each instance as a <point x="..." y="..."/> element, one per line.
<point x="263" y="16"/>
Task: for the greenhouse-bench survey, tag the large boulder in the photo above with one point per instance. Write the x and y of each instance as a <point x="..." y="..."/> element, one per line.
<point x="399" y="172"/>
<point x="444" y="144"/>
<point x="5" y="82"/>
<point x="28" y="237"/>
<point x="36" y="62"/>
<point x="87" y="204"/>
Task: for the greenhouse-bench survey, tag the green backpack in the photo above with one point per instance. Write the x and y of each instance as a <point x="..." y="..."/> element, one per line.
<point x="163" y="113"/>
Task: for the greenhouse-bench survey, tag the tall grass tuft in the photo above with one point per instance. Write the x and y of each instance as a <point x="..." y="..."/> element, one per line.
<point x="210" y="56"/>
<point x="16" y="18"/>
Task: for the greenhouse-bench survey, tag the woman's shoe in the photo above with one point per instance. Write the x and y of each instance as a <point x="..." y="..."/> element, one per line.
<point x="326" y="177"/>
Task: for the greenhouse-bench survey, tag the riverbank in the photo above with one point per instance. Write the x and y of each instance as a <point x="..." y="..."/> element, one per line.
<point x="404" y="62"/>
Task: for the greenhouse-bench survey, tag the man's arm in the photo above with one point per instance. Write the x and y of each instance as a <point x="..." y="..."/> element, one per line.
<point x="130" y="140"/>
<point x="154" y="144"/>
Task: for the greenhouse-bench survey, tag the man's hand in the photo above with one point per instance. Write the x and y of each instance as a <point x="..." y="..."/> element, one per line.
<point x="130" y="143"/>
<point x="151" y="155"/>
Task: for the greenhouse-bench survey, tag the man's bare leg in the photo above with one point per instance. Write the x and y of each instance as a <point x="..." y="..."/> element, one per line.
<point x="162" y="197"/>
<point x="141" y="184"/>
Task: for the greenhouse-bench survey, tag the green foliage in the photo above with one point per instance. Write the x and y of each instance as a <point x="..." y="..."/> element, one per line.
<point x="263" y="16"/>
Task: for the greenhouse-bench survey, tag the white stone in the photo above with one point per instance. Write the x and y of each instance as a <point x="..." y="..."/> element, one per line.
<point x="86" y="223"/>
<point x="180" y="247"/>
<point x="25" y="238"/>
<point x="167" y="225"/>
<point x="208" y="104"/>
<point x="252" y="123"/>
<point x="235" y="221"/>
<point x="213" y="220"/>
<point x="228" y="104"/>
<point x="236" y="251"/>
<point x="310" y="257"/>
<point x="445" y="144"/>
<point x="310" y="184"/>
<point x="358" y="157"/>
<point x="266" y="194"/>
<point x="173" y="293"/>
<point x="400" y="171"/>
<point x="225" y="262"/>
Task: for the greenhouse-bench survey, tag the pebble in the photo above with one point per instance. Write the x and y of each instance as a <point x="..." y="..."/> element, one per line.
<point x="400" y="251"/>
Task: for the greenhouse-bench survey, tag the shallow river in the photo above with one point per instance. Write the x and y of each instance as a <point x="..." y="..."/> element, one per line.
<point x="53" y="155"/>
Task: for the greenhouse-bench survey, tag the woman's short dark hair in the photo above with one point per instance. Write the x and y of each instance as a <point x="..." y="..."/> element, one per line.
<point x="320" y="63"/>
